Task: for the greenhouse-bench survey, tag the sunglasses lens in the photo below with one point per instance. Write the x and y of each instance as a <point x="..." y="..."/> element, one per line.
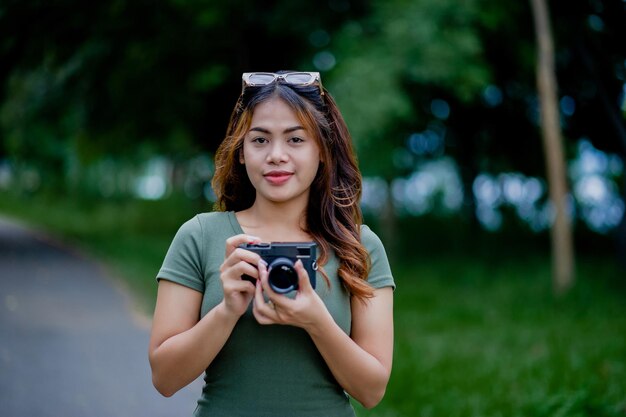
<point x="299" y="78"/>
<point x="292" y="78"/>
<point x="261" y="79"/>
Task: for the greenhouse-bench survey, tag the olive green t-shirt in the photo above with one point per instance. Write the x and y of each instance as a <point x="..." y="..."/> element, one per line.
<point x="270" y="370"/>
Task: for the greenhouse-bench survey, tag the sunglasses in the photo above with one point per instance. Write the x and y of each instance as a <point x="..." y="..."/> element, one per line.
<point x="303" y="79"/>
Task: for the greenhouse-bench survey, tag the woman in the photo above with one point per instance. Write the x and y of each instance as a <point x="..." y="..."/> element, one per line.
<point x="285" y="172"/>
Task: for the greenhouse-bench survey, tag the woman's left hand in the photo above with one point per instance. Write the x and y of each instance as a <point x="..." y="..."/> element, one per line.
<point x="305" y="310"/>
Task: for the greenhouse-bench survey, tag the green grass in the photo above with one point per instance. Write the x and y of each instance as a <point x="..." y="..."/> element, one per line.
<point x="476" y="335"/>
<point x="487" y="339"/>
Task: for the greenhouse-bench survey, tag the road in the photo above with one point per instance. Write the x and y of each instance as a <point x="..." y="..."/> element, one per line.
<point x="69" y="343"/>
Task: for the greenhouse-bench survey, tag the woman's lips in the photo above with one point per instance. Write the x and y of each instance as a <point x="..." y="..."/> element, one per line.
<point x="278" y="177"/>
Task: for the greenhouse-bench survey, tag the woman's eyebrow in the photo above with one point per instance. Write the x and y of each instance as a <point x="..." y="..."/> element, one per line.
<point x="266" y="131"/>
<point x="293" y="129"/>
<point x="259" y="129"/>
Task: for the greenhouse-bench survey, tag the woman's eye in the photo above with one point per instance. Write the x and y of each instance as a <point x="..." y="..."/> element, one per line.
<point x="297" y="140"/>
<point x="259" y="140"/>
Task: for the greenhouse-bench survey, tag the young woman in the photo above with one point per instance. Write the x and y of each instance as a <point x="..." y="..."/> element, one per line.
<point x="285" y="172"/>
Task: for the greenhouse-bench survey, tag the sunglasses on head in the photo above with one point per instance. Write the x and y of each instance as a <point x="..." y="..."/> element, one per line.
<point x="256" y="79"/>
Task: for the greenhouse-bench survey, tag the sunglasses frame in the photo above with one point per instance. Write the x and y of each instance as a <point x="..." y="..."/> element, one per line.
<point x="315" y="79"/>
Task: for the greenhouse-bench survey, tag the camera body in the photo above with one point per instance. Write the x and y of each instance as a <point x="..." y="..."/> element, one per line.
<point x="281" y="258"/>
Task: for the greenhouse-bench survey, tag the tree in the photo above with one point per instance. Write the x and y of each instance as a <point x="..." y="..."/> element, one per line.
<point x="562" y="245"/>
<point x="476" y="56"/>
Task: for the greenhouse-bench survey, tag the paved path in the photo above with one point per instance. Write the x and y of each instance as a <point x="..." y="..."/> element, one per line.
<point x="68" y="343"/>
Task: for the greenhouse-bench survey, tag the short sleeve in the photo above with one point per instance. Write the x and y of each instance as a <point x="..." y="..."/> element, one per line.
<point x="380" y="272"/>
<point x="183" y="261"/>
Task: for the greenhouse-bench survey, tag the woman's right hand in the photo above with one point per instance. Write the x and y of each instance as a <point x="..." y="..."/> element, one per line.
<point x="238" y="292"/>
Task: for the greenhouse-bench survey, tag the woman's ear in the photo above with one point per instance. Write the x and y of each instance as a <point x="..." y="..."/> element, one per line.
<point x="241" y="160"/>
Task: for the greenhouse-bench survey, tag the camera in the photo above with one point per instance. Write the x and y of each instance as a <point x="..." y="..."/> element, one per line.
<point x="281" y="258"/>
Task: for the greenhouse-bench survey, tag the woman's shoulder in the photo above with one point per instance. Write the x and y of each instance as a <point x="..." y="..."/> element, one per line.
<point x="213" y="220"/>
<point x="369" y="238"/>
<point x="206" y="221"/>
<point x="219" y="223"/>
<point x="380" y="271"/>
<point x="214" y="216"/>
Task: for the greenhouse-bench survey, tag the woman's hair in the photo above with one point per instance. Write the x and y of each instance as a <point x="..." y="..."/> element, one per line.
<point x="333" y="214"/>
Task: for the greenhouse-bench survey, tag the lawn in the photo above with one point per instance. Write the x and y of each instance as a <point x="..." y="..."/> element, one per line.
<point x="488" y="339"/>
<point x="475" y="335"/>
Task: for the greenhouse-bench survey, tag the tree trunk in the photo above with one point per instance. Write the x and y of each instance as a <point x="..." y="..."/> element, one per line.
<point x="561" y="231"/>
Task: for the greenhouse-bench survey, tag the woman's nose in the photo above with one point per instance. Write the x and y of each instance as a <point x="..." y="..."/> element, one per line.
<point x="277" y="153"/>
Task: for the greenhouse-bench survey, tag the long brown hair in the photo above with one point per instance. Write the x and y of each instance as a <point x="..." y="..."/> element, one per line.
<point x="333" y="215"/>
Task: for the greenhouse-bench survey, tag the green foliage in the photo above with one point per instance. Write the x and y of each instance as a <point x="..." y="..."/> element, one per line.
<point x="403" y="44"/>
<point x="38" y="118"/>
<point x="119" y="75"/>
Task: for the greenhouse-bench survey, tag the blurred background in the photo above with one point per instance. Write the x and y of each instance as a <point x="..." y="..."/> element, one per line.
<point x="110" y="113"/>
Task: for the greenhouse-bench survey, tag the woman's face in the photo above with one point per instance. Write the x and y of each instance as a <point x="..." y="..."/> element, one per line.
<point x="281" y="156"/>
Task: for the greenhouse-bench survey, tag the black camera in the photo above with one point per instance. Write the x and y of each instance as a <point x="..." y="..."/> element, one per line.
<point x="281" y="258"/>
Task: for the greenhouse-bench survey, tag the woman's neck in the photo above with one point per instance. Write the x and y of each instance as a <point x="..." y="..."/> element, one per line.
<point x="275" y="222"/>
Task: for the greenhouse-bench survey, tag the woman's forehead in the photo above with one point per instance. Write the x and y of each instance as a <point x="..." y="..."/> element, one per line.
<point x="277" y="112"/>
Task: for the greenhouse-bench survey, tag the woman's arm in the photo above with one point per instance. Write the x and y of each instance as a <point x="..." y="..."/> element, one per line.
<point x="182" y="345"/>
<point x="361" y="363"/>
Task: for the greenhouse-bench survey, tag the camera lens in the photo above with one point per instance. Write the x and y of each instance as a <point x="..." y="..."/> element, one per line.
<point x="282" y="276"/>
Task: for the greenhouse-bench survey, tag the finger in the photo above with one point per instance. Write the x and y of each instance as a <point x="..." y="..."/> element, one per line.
<point x="258" y="293"/>
<point x="236" y="272"/>
<point x="240" y="254"/>
<point x="261" y="310"/>
<point x="263" y="276"/>
<point x="242" y="286"/>
<point x="234" y="241"/>
<point x="245" y="268"/>
<point x="304" y="283"/>
<point x="259" y="316"/>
